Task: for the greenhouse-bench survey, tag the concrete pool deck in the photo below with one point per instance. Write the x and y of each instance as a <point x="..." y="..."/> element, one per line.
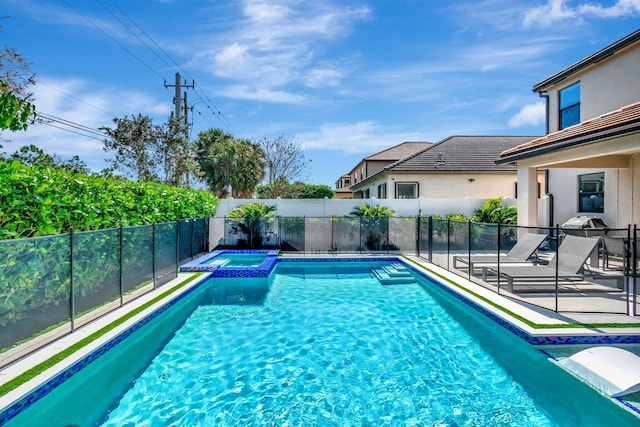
<point x="534" y="321"/>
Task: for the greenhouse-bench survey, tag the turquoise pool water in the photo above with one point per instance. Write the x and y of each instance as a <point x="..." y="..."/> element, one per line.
<point x="323" y="344"/>
<point x="237" y="260"/>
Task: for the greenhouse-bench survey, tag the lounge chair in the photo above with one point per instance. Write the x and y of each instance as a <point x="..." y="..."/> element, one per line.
<point x="521" y="252"/>
<point x="572" y="253"/>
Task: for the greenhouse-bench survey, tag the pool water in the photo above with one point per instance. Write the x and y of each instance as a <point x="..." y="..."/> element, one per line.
<point x="328" y="345"/>
<point x="237" y="260"/>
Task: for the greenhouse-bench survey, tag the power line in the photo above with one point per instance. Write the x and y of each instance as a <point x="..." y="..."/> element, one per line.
<point x="70" y="126"/>
<point x="75" y="97"/>
<point x="197" y="87"/>
<point x="71" y="131"/>
<point x="113" y="39"/>
<point x="133" y="32"/>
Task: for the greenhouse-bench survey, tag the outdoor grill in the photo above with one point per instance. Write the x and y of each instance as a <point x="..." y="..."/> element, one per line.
<point x="585" y="226"/>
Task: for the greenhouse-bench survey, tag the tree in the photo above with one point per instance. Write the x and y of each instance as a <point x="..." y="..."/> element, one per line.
<point x="137" y="145"/>
<point x="229" y="162"/>
<point x="178" y="163"/>
<point x="252" y="221"/>
<point x="284" y="158"/>
<point x="376" y="211"/>
<point x="33" y="156"/>
<point x="16" y="108"/>
<point x="297" y="190"/>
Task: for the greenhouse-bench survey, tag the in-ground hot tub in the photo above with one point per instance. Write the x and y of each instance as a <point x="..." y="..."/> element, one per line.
<point x="234" y="263"/>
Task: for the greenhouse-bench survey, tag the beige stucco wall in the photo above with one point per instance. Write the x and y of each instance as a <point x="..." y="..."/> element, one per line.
<point x="451" y="186"/>
<point x="604" y="87"/>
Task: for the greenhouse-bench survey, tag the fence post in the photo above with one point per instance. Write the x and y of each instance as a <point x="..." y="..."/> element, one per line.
<point x="469" y="245"/>
<point x="634" y="245"/>
<point x="178" y="245"/>
<point x="418" y="223"/>
<point x="430" y="241"/>
<point x="72" y="300"/>
<point x="557" y="265"/>
<point x="448" y="241"/>
<point x="153" y="253"/>
<point x="498" y="257"/>
<point x="193" y="233"/>
<point x="121" y="261"/>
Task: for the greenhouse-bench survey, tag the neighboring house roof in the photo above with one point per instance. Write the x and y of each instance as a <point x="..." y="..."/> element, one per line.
<point x="399" y="151"/>
<point x="588" y="61"/>
<point x="621" y="122"/>
<point x="457" y="154"/>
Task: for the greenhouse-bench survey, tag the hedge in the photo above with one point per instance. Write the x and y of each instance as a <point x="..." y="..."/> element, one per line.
<point x="38" y="201"/>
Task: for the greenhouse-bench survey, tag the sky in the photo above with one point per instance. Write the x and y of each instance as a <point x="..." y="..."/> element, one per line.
<point x="343" y="78"/>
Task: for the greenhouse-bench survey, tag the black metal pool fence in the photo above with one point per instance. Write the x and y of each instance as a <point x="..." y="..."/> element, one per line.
<point x="441" y="240"/>
<point x="51" y="285"/>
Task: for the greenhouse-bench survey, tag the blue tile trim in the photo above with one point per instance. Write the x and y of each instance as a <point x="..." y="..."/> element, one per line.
<point x="25" y="402"/>
<point x="533" y="339"/>
<point x="39" y="392"/>
<point x="262" y="270"/>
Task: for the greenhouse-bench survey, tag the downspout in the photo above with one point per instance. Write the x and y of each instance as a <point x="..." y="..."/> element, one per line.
<point x="632" y="165"/>
<point x="549" y="196"/>
<point x="545" y="95"/>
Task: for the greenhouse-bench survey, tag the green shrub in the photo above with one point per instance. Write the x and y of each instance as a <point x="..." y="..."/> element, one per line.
<point x="492" y="212"/>
<point x="38" y="201"/>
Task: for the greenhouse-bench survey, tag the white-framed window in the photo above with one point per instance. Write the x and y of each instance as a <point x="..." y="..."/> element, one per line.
<point x="406" y="190"/>
<point x="591" y="192"/>
<point x="570" y="105"/>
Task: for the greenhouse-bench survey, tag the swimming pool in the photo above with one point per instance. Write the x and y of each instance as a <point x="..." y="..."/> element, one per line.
<point x="322" y="344"/>
<point x="234" y="263"/>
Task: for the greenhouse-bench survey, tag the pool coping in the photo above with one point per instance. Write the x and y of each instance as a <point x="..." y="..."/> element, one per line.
<point x="468" y="292"/>
<point x="262" y="270"/>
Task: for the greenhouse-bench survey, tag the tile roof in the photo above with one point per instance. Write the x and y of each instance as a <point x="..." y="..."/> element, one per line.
<point x="625" y="119"/>
<point x="461" y="153"/>
<point x="399" y="151"/>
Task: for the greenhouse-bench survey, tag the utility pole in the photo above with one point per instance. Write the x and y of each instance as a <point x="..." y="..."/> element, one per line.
<point x="179" y="108"/>
<point x="177" y="99"/>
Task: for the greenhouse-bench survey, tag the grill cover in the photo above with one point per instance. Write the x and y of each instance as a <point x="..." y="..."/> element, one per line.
<point x="584" y="225"/>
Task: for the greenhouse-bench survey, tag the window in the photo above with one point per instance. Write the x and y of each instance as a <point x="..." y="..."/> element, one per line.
<point x="406" y="190"/>
<point x="382" y="191"/>
<point x="570" y="105"/>
<point x="366" y="194"/>
<point x="591" y="192"/>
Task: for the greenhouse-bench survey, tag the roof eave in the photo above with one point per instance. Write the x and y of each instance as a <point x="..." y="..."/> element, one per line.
<point x="589" y="60"/>
<point x="590" y="138"/>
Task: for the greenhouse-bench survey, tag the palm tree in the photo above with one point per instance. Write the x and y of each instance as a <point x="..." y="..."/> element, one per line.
<point x="251" y="220"/>
<point x="376" y="211"/>
<point x="374" y="221"/>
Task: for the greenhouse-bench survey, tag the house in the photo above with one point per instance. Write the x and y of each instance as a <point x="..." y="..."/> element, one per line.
<point x="591" y="152"/>
<point x="373" y="164"/>
<point x="456" y="167"/>
<point x="342" y="190"/>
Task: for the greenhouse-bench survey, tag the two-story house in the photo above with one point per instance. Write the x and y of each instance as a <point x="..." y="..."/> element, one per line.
<point x="456" y="167"/>
<point x="374" y="163"/>
<point x="591" y="152"/>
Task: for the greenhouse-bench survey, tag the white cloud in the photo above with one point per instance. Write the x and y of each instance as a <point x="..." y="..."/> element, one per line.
<point x="620" y="8"/>
<point x="251" y="93"/>
<point x="276" y="45"/>
<point x="532" y="114"/>
<point x="559" y="10"/>
<point x="360" y="137"/>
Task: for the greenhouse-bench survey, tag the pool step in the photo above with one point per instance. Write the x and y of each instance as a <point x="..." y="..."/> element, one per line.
<point x="393" y="274"/>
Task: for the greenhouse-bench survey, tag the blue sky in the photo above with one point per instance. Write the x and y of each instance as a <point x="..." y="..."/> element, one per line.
<point x="345" y="78"/>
